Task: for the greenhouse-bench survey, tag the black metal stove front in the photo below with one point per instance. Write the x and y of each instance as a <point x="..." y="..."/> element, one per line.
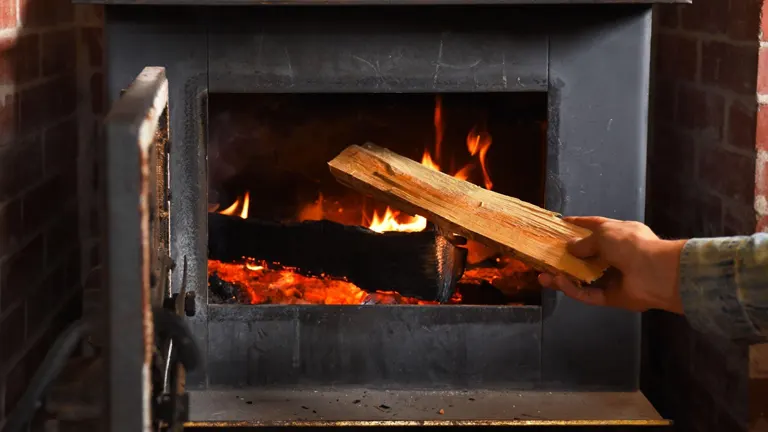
<point x="348" y="365"/>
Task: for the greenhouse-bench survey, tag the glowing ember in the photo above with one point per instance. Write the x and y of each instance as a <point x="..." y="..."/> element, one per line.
<point x="270" y="283"/>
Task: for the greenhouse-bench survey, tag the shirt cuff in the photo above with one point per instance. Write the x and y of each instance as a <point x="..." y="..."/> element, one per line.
<point x="710" y="291"/>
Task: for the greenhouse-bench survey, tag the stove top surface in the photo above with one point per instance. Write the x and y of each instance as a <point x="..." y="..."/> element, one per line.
<point x="368" y="407"/>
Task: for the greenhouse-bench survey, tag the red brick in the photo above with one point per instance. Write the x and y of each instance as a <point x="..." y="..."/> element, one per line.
<point x="742" y="126"/>
<point x="47" y="103"/>
<point x="20" y="167"/>
<point x="11" y="334"/>
<point x="744" y="19"/>
<point x="43" y="302"/>
<point x="677" y="56"/>
<point x="97" y="93"/>
<point x="6" y="59"/>
<point x="673" y="153"/>
<point x="706" y="217"/>
<point x="707" y="16"/>
<point x="7" y="14"/>
<point x="9" y="114"/>
<point x="761" y="138"/>
<point x="764" y="21"/>
<point x="22" y="272"/>
<point x="664" y="101"/>
<point x="699" y="212"/>
<point x="36" y="13"/>
<point x="93" y="39"/>
<point x="59" y="52"/>
<point x="728" y="173"/>
<point x="701" y="111"/>
<point x="19" y="59"/>
<point x="27" y="58"/>
<point x="60" y="145"/>
<point x="61" y="238"/>
<point x="669" y="17"/>
<point x="719" y="61"/>
<point x="10" y="227"/>
<point x="762" y="71"/>
<point x="739" y="219"/>
<point x="762" y="224"/>
<point x="48" y="200"/>
<point x="761" y="177"/>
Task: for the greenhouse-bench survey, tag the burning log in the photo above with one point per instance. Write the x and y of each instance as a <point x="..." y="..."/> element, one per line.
<point x="424" y="265"/>
<point x="531" y="234"/>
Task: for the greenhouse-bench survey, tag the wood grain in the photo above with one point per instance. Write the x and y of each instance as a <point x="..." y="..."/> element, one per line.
<point x="532" y="234"/>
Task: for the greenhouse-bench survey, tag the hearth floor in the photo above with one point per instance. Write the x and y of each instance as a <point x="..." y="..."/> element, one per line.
<point x="357" y="406"/>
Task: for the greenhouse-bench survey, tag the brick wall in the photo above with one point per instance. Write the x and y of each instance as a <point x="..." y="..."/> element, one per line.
<point x="702" y="182"/>
<point x="50" y="100"/>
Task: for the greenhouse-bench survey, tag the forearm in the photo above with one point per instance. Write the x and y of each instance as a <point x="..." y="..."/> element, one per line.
<point x="724" y="286"/>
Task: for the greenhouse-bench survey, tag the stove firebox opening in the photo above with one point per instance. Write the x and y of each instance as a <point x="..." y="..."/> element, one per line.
<point x="283" y="231"/>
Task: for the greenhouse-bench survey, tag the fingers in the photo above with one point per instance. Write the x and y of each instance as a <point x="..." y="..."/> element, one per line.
<point x="588" y="295"/>
<point x="587" y="246"/>
<point x="589" y="222"/>
<point x="584" y="248"/>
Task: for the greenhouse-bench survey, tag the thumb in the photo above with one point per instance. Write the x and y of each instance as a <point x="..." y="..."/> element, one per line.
<point x="585" y="247"/>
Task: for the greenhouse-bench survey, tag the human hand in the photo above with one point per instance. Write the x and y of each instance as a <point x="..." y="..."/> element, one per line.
<point x="645" y="268"/>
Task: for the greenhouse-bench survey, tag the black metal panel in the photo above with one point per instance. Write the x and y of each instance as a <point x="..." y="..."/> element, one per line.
<point x="175" y="39"/>
<point x="597" y="79"/>
<point x="599" y="74"/>
<point x="376" y="50"/>
<point x="130" y="152"/>
<point x="374" y="346"/>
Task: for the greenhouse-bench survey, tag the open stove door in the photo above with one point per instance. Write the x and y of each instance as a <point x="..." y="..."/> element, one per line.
<point x="148" y="345"/>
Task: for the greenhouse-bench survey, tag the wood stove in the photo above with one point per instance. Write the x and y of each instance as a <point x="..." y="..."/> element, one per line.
<point x="260" y="97"/>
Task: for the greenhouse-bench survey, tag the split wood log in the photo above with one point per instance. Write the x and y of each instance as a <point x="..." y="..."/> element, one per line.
<point x="423" y="265"/>
<point x="530" y="233"/>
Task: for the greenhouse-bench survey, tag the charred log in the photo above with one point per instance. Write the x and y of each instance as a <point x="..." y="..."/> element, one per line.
<point x="424" y="265"/>
<point x="225" y="292"/>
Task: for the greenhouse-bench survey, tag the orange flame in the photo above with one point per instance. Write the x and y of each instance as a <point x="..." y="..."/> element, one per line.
<point x="478" y="144"/>
<point x="389" y="222"/>
<point x="439" y="127"/>
<point x="426" y="160"/>
<point x="233" y="209"/>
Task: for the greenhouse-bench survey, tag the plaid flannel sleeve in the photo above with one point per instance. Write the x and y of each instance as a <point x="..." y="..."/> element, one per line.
<point x="724" y="286"/>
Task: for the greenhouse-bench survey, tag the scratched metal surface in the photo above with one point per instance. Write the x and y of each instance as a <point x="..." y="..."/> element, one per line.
<point x="270" y="406"/>
<point x="131" y="128"/>
<point x="323" y="50"/>
<point x="375" y="346"/>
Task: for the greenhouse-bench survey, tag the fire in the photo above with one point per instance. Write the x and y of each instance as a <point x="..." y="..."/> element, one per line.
<point x="426" y="160"/>
<point x="233" y="209"/>
<point x="478" y="143"/>
<point x="439" y="127"/>
<point x="389" y="222"/>
<point x="254" y="281"/>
